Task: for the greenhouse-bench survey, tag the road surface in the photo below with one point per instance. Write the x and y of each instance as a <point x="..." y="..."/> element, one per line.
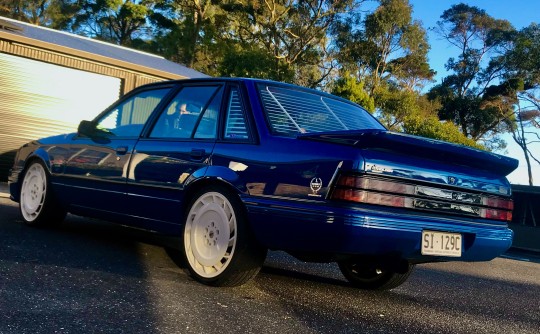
<point x="93" y="277"/>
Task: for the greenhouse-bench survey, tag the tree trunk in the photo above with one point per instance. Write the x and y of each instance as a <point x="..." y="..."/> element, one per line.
<point x="522" y="142"/>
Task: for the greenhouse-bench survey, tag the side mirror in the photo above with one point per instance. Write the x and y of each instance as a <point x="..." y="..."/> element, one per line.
<point x="86" y="128"/>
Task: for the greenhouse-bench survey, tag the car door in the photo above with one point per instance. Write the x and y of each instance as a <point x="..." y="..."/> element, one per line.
<point x="177" y="148"/>
<point x="94" y="175"/>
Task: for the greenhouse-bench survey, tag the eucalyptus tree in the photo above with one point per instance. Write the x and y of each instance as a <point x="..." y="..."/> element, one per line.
<point x="471" y="95"/>
<point x="522" y="68"/>
<point x="290" y="35"/>
<point x="116" y="21"/>
<point x="49" y="13"/>
<point x="387" y="52"/>
<point x="33" y="11"/>
<point x="186" y="32"/>
<point x="385" y="46"/>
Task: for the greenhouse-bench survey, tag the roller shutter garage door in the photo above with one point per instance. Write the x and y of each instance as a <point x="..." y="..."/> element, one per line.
<point x="39" y="99"/>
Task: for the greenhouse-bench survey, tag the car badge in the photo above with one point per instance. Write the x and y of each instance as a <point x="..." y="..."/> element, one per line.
<point x="452" y="180"/>
<point x="316" y="186"/>
<point x="380" y="169"/>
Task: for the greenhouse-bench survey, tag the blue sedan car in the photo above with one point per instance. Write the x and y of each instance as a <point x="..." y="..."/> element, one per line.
<point x="235" y="167"/>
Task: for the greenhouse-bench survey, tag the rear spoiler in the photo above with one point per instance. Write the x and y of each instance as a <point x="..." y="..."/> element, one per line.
<point x="413" y="145"/>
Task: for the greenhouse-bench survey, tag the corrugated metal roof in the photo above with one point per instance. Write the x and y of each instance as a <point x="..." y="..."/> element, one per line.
<point x="100" y="48"/>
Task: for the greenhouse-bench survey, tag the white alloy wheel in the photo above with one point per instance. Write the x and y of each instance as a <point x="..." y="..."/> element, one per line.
<point x="33" y="192"/>
<point x="210" y="234"/>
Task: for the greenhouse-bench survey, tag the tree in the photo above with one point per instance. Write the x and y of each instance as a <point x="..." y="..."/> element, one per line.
<point x="431" y="127"/>
<point x="34" y="11"/>
<point x="50" y="13"/>
<point x="389" y="47"/>
<point x="353" y="90"/>
<point x="526" y="118"/>
<point x="469" y="95"/>
<point x="256" y="63"/>
<point x="522" y="66"/>
<point x="388" y="55"/>
<point x="294" y="34"/>
<point x="115" y="21"/>
<point x="187" y="27"/>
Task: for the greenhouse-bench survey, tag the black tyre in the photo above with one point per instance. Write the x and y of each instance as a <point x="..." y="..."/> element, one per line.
<point x="218" y="245"/>
<point x="37" y="203"/>
<point x="369" y="277"/>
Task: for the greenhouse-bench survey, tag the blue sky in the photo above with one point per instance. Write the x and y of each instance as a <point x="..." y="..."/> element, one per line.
<point x="520" y="13"/>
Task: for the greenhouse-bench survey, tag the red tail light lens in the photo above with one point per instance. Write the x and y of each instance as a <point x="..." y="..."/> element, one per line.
<point x="361" y="196"/>
<point x="375" y="184"/>
<point x="499" y="203"/>
<point x="496" y="214"/>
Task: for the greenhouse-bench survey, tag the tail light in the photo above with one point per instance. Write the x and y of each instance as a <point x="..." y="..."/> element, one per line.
<point x="388" y="192"/>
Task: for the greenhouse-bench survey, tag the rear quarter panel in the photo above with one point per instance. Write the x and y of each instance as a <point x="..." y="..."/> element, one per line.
<point x="285" y="168"/>
<point x="282" y="174"/>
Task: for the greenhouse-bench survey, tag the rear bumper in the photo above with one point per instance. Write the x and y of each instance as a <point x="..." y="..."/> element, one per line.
<point x="318" y="228"/>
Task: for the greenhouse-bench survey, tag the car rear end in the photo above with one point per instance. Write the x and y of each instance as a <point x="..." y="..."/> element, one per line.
<point x="405" y="197"/>
<point x="424" y="210"/>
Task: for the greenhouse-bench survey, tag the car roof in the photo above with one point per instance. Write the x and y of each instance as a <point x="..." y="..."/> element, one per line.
<point x="254" y="80"/>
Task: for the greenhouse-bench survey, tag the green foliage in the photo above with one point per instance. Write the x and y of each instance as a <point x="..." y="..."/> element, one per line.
<point x="476" y="115"/>
<point x="470" y="96"/>
<point x="185" y="32"/>
<point x="389" y="57"/>
<point x="388" y="47"/>
<point x="289" y="37"/>
<point x="522" y="74"/>
<point x="412" y="113"/>
<point x="432" y="127"/>
<point x="394" y="105"/>
<point x="294" y="33"/>
<point x="523" y="60"/>
<point x="115" y="21"/>
<point x="51" y="13"/>
<point x="389" y="54"/>
<point x="353" y="90"/>
<point x="256" y="64"/>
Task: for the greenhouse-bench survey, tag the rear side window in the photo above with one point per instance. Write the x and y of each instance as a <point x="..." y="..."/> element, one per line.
<point x="235" y="125"/>
<point x="193" y="113"/>
<point x="291" y="112"/>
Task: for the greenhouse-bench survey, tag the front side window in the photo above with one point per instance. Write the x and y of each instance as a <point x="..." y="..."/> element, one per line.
<point x="291" y="112"/>
<point x="193" y="113"/>
<point x="127" y="119"/>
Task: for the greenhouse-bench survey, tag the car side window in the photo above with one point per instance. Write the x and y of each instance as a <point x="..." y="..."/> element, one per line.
<point x="235" y="125"/>
<point x="128" y="118"/>
<point x="192" y="112"/>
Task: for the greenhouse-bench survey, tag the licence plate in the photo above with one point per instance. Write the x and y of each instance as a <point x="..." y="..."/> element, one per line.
<point x="441" y="243"/>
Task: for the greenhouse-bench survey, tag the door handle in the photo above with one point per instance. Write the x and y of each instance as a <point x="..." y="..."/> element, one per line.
<point x="121" y="150"/>
<point x="197" y="153"/>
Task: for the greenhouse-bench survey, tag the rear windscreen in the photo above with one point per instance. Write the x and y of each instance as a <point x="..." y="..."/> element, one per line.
<point x="290" y="112"/>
